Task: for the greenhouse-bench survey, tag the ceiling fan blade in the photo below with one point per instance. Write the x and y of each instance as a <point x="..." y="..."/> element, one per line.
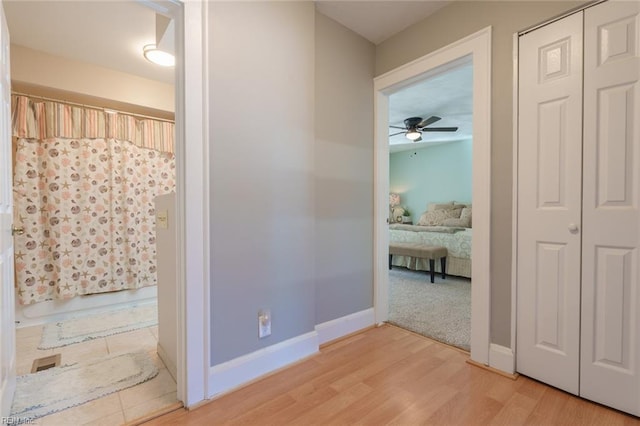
<point x="398" y="127"/>
<point x="429" y="120"/>
<point x="440" y="129"/>
<point x="395" y="134"/>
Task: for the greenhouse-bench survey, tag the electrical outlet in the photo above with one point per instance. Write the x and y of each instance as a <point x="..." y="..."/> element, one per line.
<point x="264" y="323"/>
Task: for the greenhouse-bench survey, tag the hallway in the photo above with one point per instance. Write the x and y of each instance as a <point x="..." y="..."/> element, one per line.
<point x="387" y="375"/>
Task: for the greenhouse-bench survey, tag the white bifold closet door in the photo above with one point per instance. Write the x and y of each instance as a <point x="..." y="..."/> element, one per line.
<point x="578" y="205"/>
<point x="549" y="203"/>
<point x="610" y="334"/>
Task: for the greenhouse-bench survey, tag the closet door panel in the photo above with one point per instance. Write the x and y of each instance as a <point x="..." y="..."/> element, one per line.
<point x="614" y="149"/>
<point x="610" y="345"/>
<point x="549" y="203"/>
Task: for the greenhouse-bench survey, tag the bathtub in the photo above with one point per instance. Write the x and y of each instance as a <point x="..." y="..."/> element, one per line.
<point x="58" y="310"/>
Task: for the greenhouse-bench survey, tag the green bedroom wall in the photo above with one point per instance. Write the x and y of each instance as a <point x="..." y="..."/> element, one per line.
<point x="433" y="174"/>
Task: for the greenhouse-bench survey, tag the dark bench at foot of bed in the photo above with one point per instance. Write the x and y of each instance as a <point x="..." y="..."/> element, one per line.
<point x="423" y="252"/>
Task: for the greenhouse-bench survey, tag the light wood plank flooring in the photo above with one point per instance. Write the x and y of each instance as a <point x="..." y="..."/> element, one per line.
<point x="387" y="375"/>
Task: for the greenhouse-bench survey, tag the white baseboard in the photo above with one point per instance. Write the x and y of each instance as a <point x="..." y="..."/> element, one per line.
<point x="334" y="329"/>
<point x="236" y="372"/>
<point x="501" y="358"/>
<point x="231" y="374"/>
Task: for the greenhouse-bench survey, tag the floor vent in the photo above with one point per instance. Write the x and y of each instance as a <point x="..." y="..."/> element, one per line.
<point x="46" y="363"/>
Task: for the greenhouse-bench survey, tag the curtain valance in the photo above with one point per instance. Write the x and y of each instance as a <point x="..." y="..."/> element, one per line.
<point x="42" y="120"/>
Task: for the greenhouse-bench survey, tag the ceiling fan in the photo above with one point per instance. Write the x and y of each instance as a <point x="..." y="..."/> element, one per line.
<point x="414" y="126"/>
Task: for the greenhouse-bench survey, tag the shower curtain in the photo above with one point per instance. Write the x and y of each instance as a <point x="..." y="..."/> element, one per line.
<point x="84" y="184"/>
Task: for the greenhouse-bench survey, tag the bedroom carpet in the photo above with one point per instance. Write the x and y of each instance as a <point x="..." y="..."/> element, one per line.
<point x="81" y="329"/>
<point x="441" y="311"/>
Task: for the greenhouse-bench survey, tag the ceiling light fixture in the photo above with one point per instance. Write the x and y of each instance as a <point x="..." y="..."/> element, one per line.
<point x="413" y="134"/>
<point x="158" y="57"/>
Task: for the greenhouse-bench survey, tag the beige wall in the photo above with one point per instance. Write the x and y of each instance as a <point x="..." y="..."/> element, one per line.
<point x="46" y="75"/>
<point x="444" y="27"/>
<point x="343" y="169"/>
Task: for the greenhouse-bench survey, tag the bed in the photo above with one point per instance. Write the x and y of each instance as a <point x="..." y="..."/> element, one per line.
<point x="457" y="240"/>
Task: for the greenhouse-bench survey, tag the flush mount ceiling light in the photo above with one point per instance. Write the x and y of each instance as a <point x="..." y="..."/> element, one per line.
<point x="158" y="57"/>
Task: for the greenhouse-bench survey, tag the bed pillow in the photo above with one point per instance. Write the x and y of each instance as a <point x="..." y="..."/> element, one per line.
<point x="437" y="217"/>
<point x="459" y="222"/>
<point x="439" y="206"/>
<point x="457" y="204"/>
<point x="466" y="215"/>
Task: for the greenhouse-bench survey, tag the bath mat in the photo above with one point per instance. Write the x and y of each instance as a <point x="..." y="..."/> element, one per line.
<point x="85" y="328"/>
<point x="59" y="388"/>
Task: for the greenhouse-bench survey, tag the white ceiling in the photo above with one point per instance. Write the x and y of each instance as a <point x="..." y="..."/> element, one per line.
<point x="105" y="33"/>
<point x="446" y="93"/>
<point x="378" y="20"/>
<point x="112" y="33"/>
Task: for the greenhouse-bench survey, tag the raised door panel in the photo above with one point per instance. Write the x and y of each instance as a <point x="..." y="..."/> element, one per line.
<point x="549" y="203"/>
<point x="610" y="345"/>
<point x="614" y="159"/>
<point x="551" y="154"/>
<point x="550" y="289"/>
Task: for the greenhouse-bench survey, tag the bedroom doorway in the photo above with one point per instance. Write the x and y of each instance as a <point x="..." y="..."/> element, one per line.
<point x="430" y="203"/>
<point x="476" y="47"/>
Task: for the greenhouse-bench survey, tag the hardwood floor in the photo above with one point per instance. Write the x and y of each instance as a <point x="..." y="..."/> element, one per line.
<point x="387" y="375"/>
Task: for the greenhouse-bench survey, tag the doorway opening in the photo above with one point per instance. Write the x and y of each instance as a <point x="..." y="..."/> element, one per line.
<point x="477" y="47"/>
<point x="430" y="204"/>
<point x="174" y="11"/>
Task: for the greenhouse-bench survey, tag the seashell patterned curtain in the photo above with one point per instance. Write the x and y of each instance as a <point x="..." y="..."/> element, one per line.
<point x="84" y="184"/>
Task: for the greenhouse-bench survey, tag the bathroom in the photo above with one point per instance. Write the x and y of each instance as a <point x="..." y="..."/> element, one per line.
<point x="78" y="68"/>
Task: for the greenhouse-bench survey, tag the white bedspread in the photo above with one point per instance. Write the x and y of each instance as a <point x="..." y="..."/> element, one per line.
<point x="457" y="240"/>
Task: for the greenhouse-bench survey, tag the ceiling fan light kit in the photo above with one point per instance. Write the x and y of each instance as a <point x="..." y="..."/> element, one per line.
<point x="413" y="134"/>
<point x="414" y="126"/>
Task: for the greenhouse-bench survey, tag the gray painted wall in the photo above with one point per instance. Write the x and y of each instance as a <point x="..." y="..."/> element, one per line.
<point x="292" y="162"/>
<point x="291" y="134"/>
<point x="434" y="174"/>
<point x="343" y="165"/>
<point x="452" y="23"/>
<point x="261" y="146"/>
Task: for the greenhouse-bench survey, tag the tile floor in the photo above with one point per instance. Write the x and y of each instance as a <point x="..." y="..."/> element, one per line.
<point x="114" y="409"/>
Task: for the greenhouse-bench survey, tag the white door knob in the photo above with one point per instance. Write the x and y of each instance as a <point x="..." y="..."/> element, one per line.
<point x="573" y="228"/>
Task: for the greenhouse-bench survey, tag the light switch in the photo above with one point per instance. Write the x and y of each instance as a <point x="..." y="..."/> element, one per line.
<point x="162" y="219"/>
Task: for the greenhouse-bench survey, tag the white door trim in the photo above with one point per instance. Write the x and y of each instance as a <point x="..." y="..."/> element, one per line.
<point x="478" y="45"/>
<point x="192" y="158"/>
<point x="192" y="190"/>
<point x="514" y="201"/>
<point x="8" y="357"/>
